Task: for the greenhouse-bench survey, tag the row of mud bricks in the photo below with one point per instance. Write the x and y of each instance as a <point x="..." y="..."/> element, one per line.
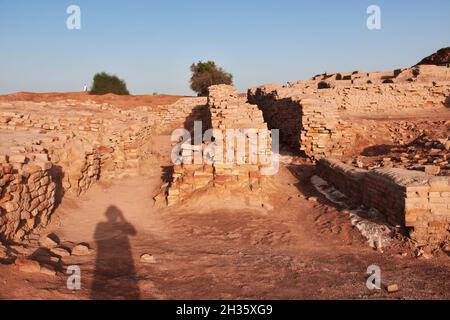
<point x="399" y="97"/>
<point x="421" y="74"/>
<point x="226" y="165"/>
<point x="29" y="187"/>
<point x="34" y="177"/>
<point x="27" y="197"/>
<point x="413" y="200"/>
<point x="72" y="152"/>
<point x="305" y="124"/>
<point x="181" y="114"/>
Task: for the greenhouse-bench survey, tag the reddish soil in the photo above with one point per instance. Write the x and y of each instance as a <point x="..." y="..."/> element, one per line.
<point x="125" y="102"/>
<point x="223" y="244"/>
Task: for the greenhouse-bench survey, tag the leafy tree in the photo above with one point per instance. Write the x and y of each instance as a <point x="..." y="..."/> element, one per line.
<point x="206" y="74"/>
<point x="106" y="83"/>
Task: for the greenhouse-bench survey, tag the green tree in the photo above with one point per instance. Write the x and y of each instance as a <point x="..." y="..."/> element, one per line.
<point x="206" y="74"/>
<point x="106" y="83"/>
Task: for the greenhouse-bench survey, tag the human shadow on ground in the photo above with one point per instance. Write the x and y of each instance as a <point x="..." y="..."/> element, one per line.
<point x="115" y="275"/>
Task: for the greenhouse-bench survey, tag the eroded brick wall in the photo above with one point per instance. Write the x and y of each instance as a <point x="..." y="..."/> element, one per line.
<point x="181" y="114"/>
<point x="27" y="197"/>
<point x="411" y="199"/>
<point x="227" y="111"/>
<point x="388" y="98"/>
<point x="307" y="124"/>
<point x="77" y="143"/>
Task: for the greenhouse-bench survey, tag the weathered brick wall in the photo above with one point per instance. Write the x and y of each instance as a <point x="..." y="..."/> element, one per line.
<point x="364" y="98"/>
<point x="181" y="114"/>
<point x="27" y="197"/>
<point x="79" y="138"/>
<point x="347" y="179"/>
<point x="421" y="75"/>
<point x="311" y="125"/>
<point x="227" y="111"/>
<point x="411" y="199"/>
<point x="412" y="89"/>
<point x="401" y="97"/>
<point x="280" y="112"/>
<point x="323" y="132"/>
<point x="75" y="143"/>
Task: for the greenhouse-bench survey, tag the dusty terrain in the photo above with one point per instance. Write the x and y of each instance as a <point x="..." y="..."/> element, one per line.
<point x="125" y="102"/>
<point x="224" y="246"/>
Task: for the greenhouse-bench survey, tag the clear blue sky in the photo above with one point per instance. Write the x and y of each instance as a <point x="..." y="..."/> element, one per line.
<point x="151" y="43"/>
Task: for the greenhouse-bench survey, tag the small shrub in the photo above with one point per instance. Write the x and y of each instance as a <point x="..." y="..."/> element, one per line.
<point x="105" y="83"/>
<point x="206" y="74"/>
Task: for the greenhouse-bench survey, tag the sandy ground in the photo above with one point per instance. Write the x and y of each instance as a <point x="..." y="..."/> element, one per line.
<point x="222" y="244"/>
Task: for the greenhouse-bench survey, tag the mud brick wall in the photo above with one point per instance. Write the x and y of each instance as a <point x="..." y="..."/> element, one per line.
<point x="417" y="76"/>
<point x="401" y="97"/>
<point x="408" y="90"/>
<point x="307" y="124"/>
<point x="323" y="133"/>
<point x="84" y="140"/>
<point x="181" y="114"/>
<point x="347" y="179"/>
<point x="280" y="112"/>
<point x="227" y="111"/>
<point x="76" y="163"/>
<point x="186" y="179"/>
<point x="386" y="195"/>
<point x="27" y="197"/>
<point x="411" y="199"/>
<point x="78" y="142"/>
<point x="415" y="200"/>
<point x="377" y="98"/>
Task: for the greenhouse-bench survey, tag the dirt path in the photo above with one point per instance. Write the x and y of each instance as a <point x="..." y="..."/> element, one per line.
<point x="291" y="248"/>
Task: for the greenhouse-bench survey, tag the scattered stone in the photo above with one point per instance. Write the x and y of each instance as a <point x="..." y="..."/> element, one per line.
<point x="392" y="288"/>
<point x="3" y="252"/>
<point x="427" y="256"/>
<point x="447" y="145"/>
<point x="27" y="265"/>
<point x="17" y="158"/>
<point x="20" y="249"/>
<point x="434" y="170"/>
<point x="48" y="270"/>
<point x="418" y="253"/>
<point x="61" y="252"/>
<point x="49" y="241"/>
<point x="147" y="258"/>
<point x="81" y="250"/>
<point x="312" y="199"/>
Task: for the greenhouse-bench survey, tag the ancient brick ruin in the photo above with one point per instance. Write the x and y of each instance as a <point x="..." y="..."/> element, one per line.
<point x="50" y="149"/>
<point x="305" y="123"/>
<point x="318" y="118"/>
<point x="316" y="121"/>
<point x="226" y="164"/>
<point x="407" y="198"/>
